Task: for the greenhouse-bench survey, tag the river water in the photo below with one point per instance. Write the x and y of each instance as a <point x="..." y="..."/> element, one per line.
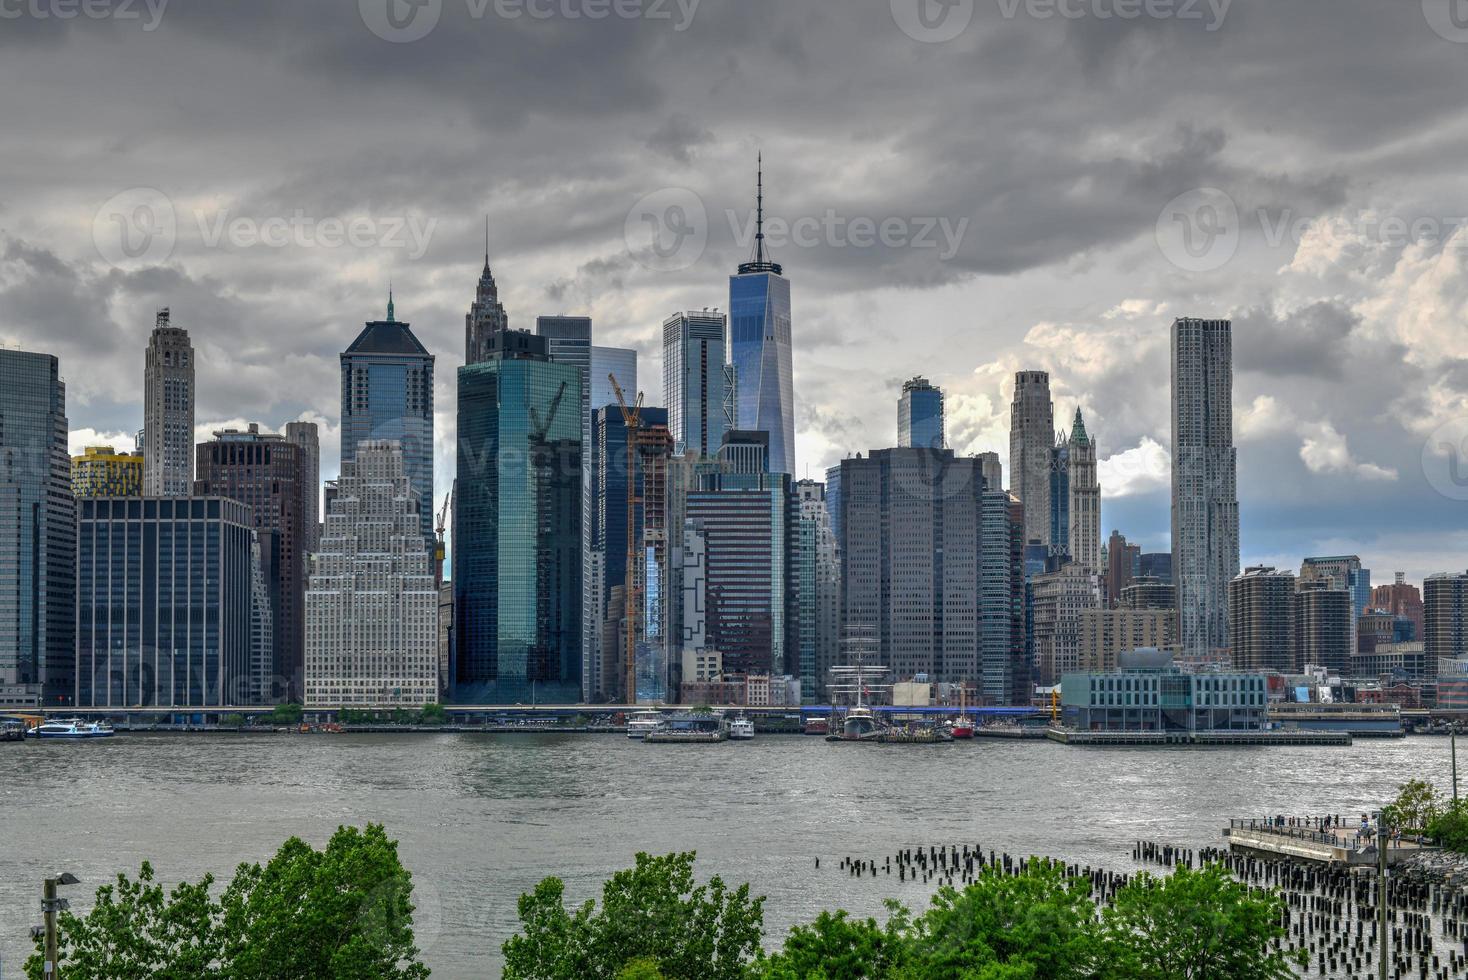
<point x="482" y="818"/>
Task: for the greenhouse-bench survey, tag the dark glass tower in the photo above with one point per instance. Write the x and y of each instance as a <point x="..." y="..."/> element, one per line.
<point x="920" y="415"/>
<point x="760" y="349"/>
<point x="37" y="534"/>
<point x="517" y="527"/>
<point x="387" y="394"/>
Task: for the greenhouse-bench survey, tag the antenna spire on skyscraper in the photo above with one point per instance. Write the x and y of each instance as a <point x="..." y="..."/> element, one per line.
<point x="760" y="262"/>
<point x="389" y="301"/>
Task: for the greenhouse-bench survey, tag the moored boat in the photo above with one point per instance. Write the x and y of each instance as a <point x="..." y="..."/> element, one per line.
<point x="817" y="725"/>
<point x="643" y="723"/>
<point x="741" y="729"/>
<point x="72" y="728"/>
<point x="961" y="727"/>
<point x="688" y="727"/>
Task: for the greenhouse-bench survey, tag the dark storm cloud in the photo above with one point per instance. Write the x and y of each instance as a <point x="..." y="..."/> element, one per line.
<point x="1041" y="151"/>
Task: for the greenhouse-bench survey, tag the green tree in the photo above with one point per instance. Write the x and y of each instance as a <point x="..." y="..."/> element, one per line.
<point x="135" y="930"/>
<point x="1193" y="925"/>
<point x="1449" y="826"/>
<point x="652" y="911"/>
<point x="1038" y="923"/>
<point x="344" y="913"/>
<point x="1414" y="808"/>
<point x="641" y="968"/>
<point x="837" y="947"/>
<point x="287" y="713"/>
<point x="433" y="714"/>
<point x="235" y="720"/>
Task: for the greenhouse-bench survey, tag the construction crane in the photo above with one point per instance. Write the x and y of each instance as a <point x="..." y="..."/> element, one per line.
<point x="439" y="550"/>
<point x="631" y="420"/>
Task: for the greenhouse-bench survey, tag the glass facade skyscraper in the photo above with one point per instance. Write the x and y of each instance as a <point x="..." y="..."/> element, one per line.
<point x="760" y="351"/>
<point x="920" y="415"/>
<point x="165" y="592"/>
<point x="168" y="411"/>
<point x="387" y="394"/>
<point x="517" y="527"/>
<point x="37" y="533"/>
<point x="695" y="380"/>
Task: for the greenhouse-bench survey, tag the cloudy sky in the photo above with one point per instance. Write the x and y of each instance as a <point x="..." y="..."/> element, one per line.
<point x="960" y="189"/>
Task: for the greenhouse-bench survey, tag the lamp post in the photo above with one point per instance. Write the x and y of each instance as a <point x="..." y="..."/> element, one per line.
<point x="50" y="905"/>
<point x="1381" y="895"/>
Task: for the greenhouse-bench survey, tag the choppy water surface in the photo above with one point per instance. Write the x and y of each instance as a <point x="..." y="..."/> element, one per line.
<point x="482" y="818"/>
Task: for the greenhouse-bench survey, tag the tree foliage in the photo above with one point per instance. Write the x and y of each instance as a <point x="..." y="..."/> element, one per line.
<point x="1036" y="924"/>
<point x="652" y="912"/>
<point x="1449" y="826"/>
<point x="286" y="713"/>
<point x="1194" y="925"/>
<point x="343" y="913"/>
<point x="1415" y="807"/>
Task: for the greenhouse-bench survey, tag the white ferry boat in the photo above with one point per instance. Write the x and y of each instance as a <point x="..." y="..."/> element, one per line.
<point x="72" y="728"/>
<point x="643" y="723"/>
<point x="741" y="729"/>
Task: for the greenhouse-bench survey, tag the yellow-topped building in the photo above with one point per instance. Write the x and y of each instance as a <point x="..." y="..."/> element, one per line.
<point x="101" y="471"/>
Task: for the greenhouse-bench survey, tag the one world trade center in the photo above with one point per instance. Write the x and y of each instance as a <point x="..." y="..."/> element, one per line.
<point x="759" y="348"/>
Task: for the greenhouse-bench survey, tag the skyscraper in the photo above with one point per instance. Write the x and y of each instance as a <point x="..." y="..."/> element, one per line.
<point x="1402" y="599"/>
<point x="1031" y="441"/>
<point x="1205" y="502"/>
<point x="1445" y="618"/>
<point x="37" y="534"/>
<point x="372" y="633"/>
<point x="168" y="411"/>
<point x="1059" y="529"/>
<point x="1325" y="631"/>
<point x="745" y="527"/>
<point x="927" y="565"/>
<point x="1061" y="598"/>
<point x="304" y="434"/>
<point x="1261" y="607"/>
<point x="1342" y="572"/>
<point x="486" y="317"/>
<point x="387" y="394"/>
<point x="695" y="382"/>
<point x="1122" y="565"/>
<point x="920" y="415"/>
<point x="609" y="543"/>
<point x="760" y="349"/>
<point x="266" y="471"/>
<point x="517" y="526"/>
<point x="1085" y="498"/>
<point x="165" y="598"/>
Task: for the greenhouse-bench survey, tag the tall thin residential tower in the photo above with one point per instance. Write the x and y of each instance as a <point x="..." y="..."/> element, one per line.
<point x="1031" y="439"/>
<point x="760" y="348"/>
<point x="1205" y="502"/>
<point x="168" y="411"/>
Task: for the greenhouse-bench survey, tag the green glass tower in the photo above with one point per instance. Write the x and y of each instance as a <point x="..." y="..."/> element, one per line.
<point x="517" y="527"/>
